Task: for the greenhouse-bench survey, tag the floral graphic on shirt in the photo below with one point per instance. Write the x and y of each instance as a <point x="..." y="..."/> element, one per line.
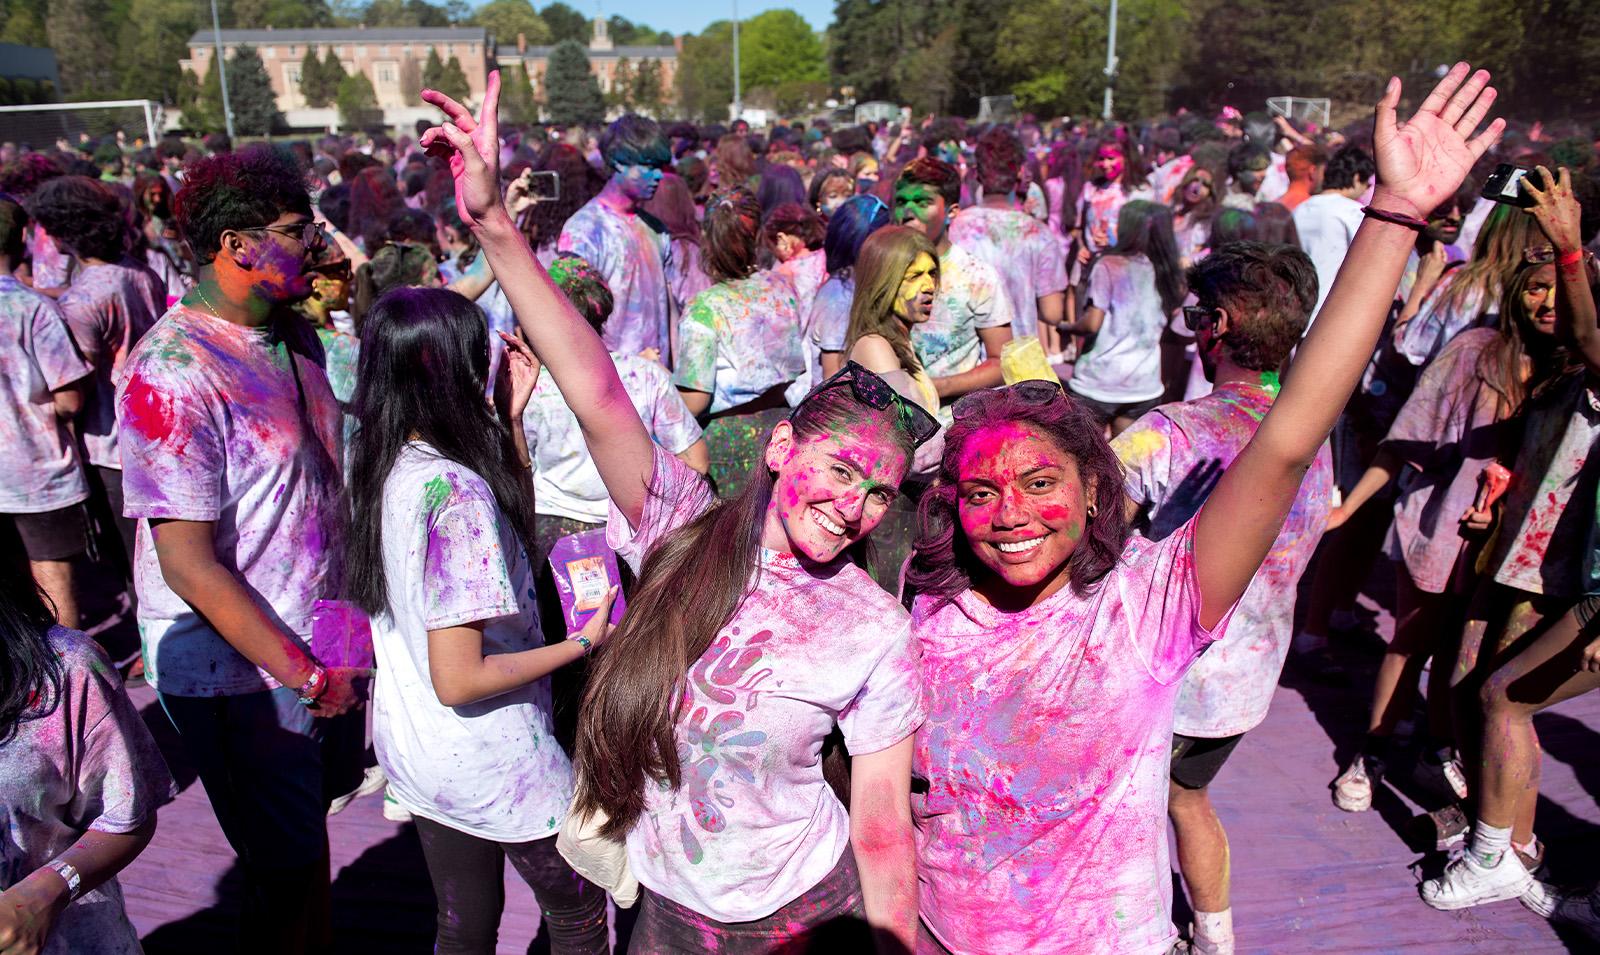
<point x="717" y="748"/>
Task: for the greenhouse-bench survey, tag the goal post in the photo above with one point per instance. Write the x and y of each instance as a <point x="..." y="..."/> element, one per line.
<point x="41" y="124"/>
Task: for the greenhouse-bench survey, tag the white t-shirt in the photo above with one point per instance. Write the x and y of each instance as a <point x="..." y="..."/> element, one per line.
<point x="970" y="297"/>
<point x="755" y="825"/>
<point x="1327" y="223"/>
<point x="565" y="481"/>
<point x="39" y="466"/>
<point x="1124" y="365"/>
<point x="491" y="769"/>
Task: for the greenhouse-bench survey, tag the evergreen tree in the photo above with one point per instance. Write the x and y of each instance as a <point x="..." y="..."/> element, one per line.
<point x="433" y="70"/>
<point x="453" y="81"/>
<point x="314" y="84"/>
<point x="255" y="107"/>
<point x="565" y="23"/>
<point x="332" y="73"/>
<point x="516" y="97"/>
<point x="411" y="84"/>
<point x="646" y="93"/>
<point x="204" y="114"/>
<point x="153" y="39"/>
<point x="80" y="36"/>
<point x="620" y="96"/>
<point x="572" y="94"/>
<point x="358" y="103"/>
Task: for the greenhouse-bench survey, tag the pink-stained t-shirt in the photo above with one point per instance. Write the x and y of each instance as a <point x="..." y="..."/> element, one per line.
<point x="756" y="825"/>
<point x="52" y="265"/>
<point x="1446" y="433"/>
<point x="1022" y="250"/>
<point x="89" y="765"/>
<point x="109" y="307"/>
<point x="1098" y="208"/>
<point x="1172" y="458"/>
<point x="805" y="273"/>
<point x="39" y="465"/>
<point x="1046" y="752"/>
<point x="1442" y="316"/>
<point x="739" y="340"/>
<point x="240" y="427"/>
<point x="1542" y="540"/>
<point x="632" y="257"/>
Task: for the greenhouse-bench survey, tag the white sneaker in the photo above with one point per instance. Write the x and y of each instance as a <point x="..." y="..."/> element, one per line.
<point x="393" y="811"/>
<point x="1352" y="791"/>
<point x="1542" y="899"/>
<point x="1467" y="882"/>
<point x="371" y="781"/>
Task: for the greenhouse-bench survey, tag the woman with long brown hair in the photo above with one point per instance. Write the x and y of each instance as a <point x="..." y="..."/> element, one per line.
<point x="739" y="342"/>
<point x="750" y="635"/>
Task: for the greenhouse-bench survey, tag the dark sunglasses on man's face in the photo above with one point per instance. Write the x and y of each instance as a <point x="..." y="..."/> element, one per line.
<point x="1196" y="315"/>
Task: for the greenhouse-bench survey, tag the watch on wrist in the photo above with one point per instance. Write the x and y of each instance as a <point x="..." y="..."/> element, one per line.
<point x="582" y="641"/>
<point x="69" y="875"/>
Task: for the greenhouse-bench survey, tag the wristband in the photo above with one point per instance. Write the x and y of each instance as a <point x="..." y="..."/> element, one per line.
<point x="582" y="641"/>
<point x="312" y="690"/>
<point x="1394" y="218"/>
<point x="1568" y="259"/>
<point x="69" y="875"/>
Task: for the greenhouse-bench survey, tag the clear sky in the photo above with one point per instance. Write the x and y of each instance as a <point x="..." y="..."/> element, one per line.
<point x="694" y="15"/>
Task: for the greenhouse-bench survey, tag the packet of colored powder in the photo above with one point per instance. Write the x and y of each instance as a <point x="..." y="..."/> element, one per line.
<point x="585" y="568"/>
<point x="341" y="635"/>
<point x="1023" y="359"/>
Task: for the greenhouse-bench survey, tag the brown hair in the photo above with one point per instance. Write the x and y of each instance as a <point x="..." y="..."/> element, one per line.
<point x="731" y="235"/>
<point x="1517" y="364"/>
<point x="1496" y="256"/>
<point x="735" y="162"/>
<point x="691" y="585"/>
<point x="880" y="268"/>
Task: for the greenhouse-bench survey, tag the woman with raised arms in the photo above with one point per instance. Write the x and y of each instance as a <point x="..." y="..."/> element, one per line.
<point x="701" y="732"/>
<point x="1053" y="644"/>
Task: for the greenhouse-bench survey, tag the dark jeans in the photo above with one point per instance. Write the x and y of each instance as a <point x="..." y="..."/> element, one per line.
<point x="259" y="756"/>
<point x="827" y="919"/>
<point x="468" y="872"/>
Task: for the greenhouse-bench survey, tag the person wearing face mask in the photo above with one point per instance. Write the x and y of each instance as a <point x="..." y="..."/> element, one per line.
<point x="959" y="345"/>
<point x="1247" y="170"/>
<point x="1054" y="647"/>
<point x="830" y="189"/>
<point x="1327" y="222"/>
<point x="609" y="234"/>
<point x="751" y="634"/>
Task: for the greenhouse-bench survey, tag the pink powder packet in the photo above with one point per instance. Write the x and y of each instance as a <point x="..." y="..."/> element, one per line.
<point x="584" y="569"/>
<point x="341" y="635"/>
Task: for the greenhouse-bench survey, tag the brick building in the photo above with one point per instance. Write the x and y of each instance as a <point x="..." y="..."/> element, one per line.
<point x="606" y="60"/>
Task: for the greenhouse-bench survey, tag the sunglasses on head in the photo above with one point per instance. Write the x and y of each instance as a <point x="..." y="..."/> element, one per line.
<point x="1032" y="391"/>
<point x="877" y="394"/>
<point x="338" y="271"/>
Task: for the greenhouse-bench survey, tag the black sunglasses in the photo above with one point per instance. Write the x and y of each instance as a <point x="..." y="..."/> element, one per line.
<point x="875" y="393"/>
<point x="1033" y="391"/>
<point x="1196" y="315"/>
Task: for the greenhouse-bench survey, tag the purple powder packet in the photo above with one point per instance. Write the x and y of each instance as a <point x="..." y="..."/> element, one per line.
<point x="584" y="568"/>
<point x="341" y="635"/>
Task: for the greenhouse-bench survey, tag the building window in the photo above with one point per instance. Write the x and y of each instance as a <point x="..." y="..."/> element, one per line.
<point x="338" y="51"/>
<point x="269" y="53"/>
<point x="291" y="78"/>
<point x="294" y="51"/>
<point x="387" y="73"/>
<point x="406" y="50"/>
<point x="383" y="50"/>
<point x="474" y="49"/>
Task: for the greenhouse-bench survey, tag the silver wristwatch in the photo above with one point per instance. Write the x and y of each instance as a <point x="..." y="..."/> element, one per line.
<point x="69" y="875"/>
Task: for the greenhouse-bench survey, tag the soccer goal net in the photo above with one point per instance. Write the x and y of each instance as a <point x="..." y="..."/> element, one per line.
<point x="44" y="125"/>
<point x="1302" y="109"/>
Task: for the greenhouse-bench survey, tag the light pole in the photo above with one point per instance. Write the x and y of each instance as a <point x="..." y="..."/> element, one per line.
<point x="222" y="72"/>
<point x="738" y="104"/>
<point x="1111" y="61"/>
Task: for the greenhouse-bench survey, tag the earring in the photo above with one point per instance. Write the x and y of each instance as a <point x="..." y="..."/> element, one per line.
<point x="1093" y="511"/>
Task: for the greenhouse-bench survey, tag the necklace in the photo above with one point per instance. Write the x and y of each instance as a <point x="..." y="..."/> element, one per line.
<point x="206" y="301"/>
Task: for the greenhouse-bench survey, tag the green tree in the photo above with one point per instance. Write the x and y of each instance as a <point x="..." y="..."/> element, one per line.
<point x="647" y="93"/>
<point x="705" y="73"/>
<point x="777" y="47"/>
<point x="453" y="81"/>
<point x="405" y="13"/>
<point x="314" y="85"/>
<point x="1064" y="70"/>
<point x="572" y="94"/>
<point x="358" y="103"/>
<point x="204" y="113"/>
<point x="255" y="108"/>
<point x="516" y="97"/>
<point x="153" y="39"/>
<point x="433" y="70"/>
<point x="24" y="23"/>
<point x="620" y="96"/>
<point x="565" y="23"/>
<point x="79" y="33"/>
<point x="777" y="51"/>
<point x="505" y="19"/>
<point x="332" y="73"/>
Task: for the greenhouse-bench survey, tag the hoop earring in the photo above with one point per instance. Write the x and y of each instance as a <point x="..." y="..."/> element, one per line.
<point x="1093" y="511"/>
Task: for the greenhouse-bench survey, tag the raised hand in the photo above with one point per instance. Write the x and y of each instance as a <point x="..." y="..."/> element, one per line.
<point x="1423" y="160"/>
<point x="522" y="368"/>
<point x="1556" y="209"/>
<point x="472" y="147"/>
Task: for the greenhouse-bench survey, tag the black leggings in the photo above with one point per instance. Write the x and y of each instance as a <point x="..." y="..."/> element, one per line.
<point x="467" y="874"/>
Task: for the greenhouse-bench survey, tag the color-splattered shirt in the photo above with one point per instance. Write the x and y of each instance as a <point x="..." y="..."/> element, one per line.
<point x="90" y="765"/>
<point x="52" y="265"/>
<point x="755" y="825"/>
<point x="631" y="256"/>
<point x="1542" y="540"/>
<point x="1447" y="432"/>
<point x="740" y="339"/>
<point x="39" y="465"/>
<point x="1172" y="458"/>
<point x="565" y="481"/>
<point x="1098" y="208"/>
<point x="1046" y="751"/>
<point x="343" y="357"/>
<point x="1024" y="253"/>
<point x="492" y="768"/>
<point x="825" y="329"/>
<point x="969" y="298"/>
<point x="1124" y="363"/>
<point x="1442" y="317"/>
<point x="805" y="273"/>
<point x="685" y="277"/>
<point x="220" y="426"/>
<point x="109" y="307"/>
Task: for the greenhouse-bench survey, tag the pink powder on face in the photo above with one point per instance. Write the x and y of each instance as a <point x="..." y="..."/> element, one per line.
<point x="1016" y="485"/>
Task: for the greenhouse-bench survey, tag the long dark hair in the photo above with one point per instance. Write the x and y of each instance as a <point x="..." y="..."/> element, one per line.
<point x="731" y="238"/>
<point x="422" y="374"/>
<point x="942" y="563"/>
<point x="30" y="671"/>
<point x="1145" y="228"/>
<point x="1519" y="361"/>
<point x="690" y="586"/>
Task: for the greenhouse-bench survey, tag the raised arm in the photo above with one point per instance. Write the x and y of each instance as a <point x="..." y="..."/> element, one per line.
<point x="558" y="335"/>
<point x="1557" y="212"/>
<point x="1419" y="163"/>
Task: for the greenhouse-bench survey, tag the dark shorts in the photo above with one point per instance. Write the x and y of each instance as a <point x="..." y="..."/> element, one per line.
<point x="1196" y="761"/>
<point x="52" y="535"/>
<point x="1107" y="411"/>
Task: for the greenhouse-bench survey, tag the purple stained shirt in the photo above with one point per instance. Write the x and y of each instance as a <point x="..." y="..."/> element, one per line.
<point x="739" y="340"/>
<point x="631" y="256"/>
<point x="1022" y="250"/>
<point x="805" y="272"/>
<point x="755" y="825"/>
<point x="1172" y="458"/>
<point x="39" y="466"/>
<point x="1447" y="432"/>
<point x="237" y="426"/>
<point x="109" y="307"/>
<point x="1046" y="751"/>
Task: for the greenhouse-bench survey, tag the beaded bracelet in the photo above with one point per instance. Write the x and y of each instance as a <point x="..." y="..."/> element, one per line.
<point x="1394" y="218"/>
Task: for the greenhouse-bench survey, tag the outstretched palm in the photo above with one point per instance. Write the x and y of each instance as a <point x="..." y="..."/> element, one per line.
<point x="472" y="147"/>
<point x="1422" y="161"/>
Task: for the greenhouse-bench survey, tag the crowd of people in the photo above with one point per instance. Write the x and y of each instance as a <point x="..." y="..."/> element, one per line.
<point x="943" y="491"/>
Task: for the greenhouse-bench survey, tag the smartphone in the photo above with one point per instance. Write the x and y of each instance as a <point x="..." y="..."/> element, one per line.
<point x="543" y="186"/>
<point x="1505" y="185"/>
